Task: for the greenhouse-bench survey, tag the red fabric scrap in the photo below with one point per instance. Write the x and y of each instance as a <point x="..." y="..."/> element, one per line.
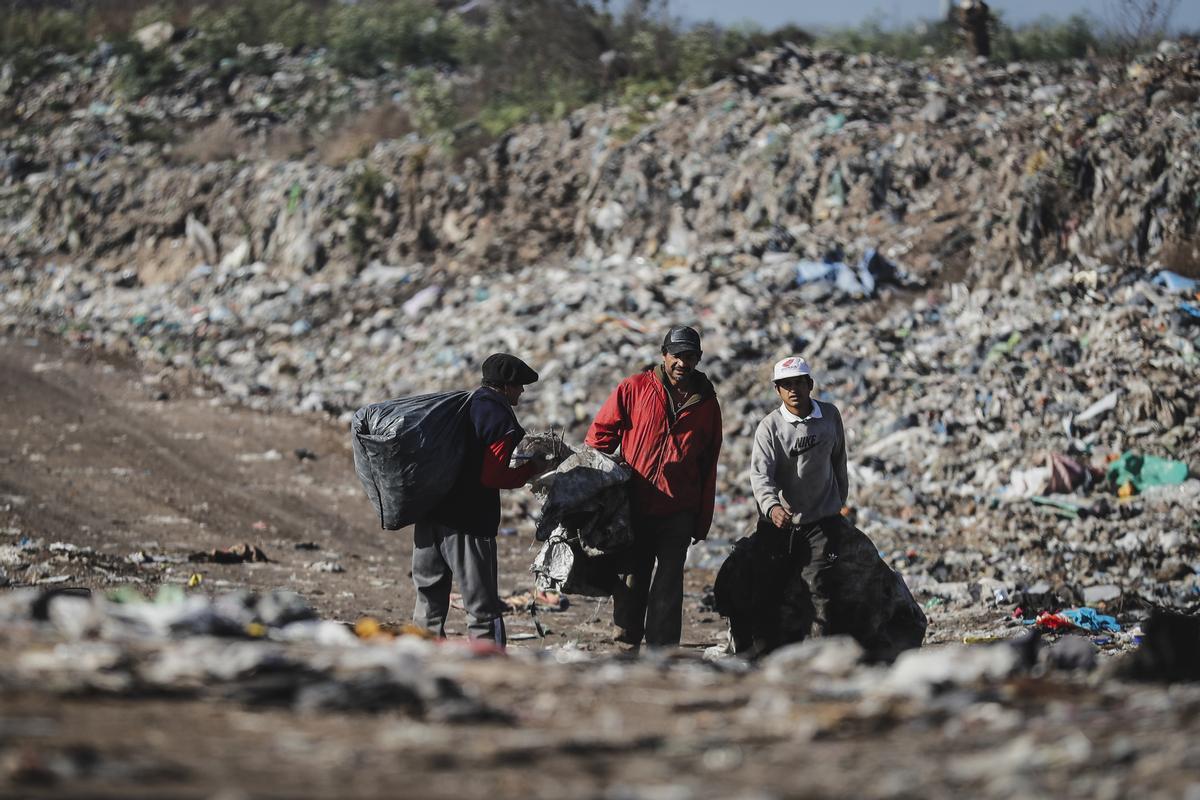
<point x="1053" y="622"/>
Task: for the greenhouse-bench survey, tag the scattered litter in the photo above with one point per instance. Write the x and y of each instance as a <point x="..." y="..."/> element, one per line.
<point x="235" y="554"/>
<point x="270" y="455"/>
<point x="1143" y="471"/>
<point x="223" y="647"/>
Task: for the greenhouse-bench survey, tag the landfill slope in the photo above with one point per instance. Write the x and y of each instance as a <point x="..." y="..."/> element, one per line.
<point x="953" y="165"/>
<point x="184" y="337"/>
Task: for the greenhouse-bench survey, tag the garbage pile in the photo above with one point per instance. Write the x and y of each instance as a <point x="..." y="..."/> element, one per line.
<point x="272" y="649"/>
<point x="944" y="166"/>
<point x="268" y="649"/>
<point x="944" y="396"/>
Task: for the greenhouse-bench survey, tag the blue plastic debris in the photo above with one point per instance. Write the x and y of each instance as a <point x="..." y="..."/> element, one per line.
<point x="860" y="280"/>
<point x="1174" y="282"/>
<point x="1090" y="620"/>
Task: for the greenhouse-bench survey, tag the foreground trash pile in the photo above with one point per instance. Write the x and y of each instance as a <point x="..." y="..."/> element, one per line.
<point x="259" y="650"/>
<point x="1008" y="718"/>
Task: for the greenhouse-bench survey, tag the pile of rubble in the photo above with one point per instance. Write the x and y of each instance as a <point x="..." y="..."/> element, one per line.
<point x="272" y="648"/>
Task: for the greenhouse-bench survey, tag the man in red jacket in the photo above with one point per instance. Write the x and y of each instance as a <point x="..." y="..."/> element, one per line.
<point x="667" y="423"/>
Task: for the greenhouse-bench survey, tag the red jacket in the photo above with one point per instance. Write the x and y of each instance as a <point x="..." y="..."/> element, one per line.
<point x="674" y="463"/>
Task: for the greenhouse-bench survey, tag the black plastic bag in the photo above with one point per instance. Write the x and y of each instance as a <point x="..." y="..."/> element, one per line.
<point x="584" y="523"/>
<point x="408" y="453"/>
<point x="761" y="590"/>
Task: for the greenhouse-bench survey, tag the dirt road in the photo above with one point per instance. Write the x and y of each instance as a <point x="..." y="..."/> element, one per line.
<point x="94" y="454"/>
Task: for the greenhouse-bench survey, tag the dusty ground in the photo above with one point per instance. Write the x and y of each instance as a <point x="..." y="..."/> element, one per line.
<point x="96" y="455"/>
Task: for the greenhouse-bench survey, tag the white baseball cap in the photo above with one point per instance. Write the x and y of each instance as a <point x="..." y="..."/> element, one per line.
<point x="791" y="367"/>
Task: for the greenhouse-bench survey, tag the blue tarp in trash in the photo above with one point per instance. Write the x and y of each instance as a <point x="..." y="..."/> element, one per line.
<point x="860" y="280"/>
<point x="1174" y="282"/>
<point x="1089" y="620"/>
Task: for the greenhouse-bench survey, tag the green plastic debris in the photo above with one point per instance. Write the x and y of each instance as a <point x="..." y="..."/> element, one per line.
<point x="1004" y="348"/>
<point x="169" y="594"/>
<point x="294" y="195"/>
<point x="1060" y="507"/>
<point x="125" y="594"/>
<point x="836" y="195"/>
<point x="1142" y="472"/>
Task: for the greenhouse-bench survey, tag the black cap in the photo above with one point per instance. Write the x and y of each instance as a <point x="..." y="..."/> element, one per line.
<point x="505" y="368"/>
<point x="681" y="339"/>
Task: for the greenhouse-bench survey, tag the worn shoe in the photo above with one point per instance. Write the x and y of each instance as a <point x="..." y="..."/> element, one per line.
<point x="627" y="649"/>
<point x="625" y="636"/>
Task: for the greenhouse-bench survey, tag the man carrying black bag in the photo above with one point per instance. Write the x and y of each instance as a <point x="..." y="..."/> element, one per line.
<point x="806" y="571"/>
<point x="457" y="539"/>
<point x="799" y="477"/>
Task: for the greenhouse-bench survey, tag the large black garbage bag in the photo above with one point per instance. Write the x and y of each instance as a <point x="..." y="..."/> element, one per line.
<point x="872" y="602"/>
<point x="1170" y="649"/>
<point x="587" y="495"/>
<point x="761" y="591"/>
<point x="408" y="452"/>
<point x="584" y="523"/>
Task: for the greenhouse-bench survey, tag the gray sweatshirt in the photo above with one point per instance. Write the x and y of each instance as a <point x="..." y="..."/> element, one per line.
<point x="800" y="463"/>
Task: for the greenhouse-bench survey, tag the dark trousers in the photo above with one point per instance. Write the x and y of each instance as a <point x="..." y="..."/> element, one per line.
<point x="649" y="600"/>
<point x="791" y="582"/>
<point x="441" y="554"/>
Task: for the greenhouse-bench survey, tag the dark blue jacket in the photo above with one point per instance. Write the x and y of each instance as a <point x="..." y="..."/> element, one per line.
<point x="471" y="507"/>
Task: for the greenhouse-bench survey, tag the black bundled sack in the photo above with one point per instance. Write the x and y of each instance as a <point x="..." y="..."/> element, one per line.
<point x="408" y="452"/>
<point x="762" y="592"/>
<point x="584" y="524"/>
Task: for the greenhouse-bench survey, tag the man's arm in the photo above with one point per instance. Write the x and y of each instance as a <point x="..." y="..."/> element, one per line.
<point x="496" y="474"/>
<point x="838" y="457"/>
<point x="611" y="421"/>
<point x="762" y="475"/>
<point x="708" y="494"/>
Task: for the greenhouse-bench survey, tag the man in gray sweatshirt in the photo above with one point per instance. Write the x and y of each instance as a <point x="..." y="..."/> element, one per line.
<point x="798" y="474"/>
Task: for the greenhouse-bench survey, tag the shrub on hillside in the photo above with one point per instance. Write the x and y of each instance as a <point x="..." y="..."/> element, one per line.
<point x="367" y="36"/>
<point x="42" y="29"/>
<point x="142" y="71"/>
<point x="1050" y="40"/>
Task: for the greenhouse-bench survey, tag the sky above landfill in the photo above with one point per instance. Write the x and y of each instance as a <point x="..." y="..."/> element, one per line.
<point x="809" y="13"/>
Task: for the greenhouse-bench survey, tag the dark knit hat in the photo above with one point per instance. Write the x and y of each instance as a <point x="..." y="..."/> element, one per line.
<point x="681" y="339"/>
<point x="505" y="368"/>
